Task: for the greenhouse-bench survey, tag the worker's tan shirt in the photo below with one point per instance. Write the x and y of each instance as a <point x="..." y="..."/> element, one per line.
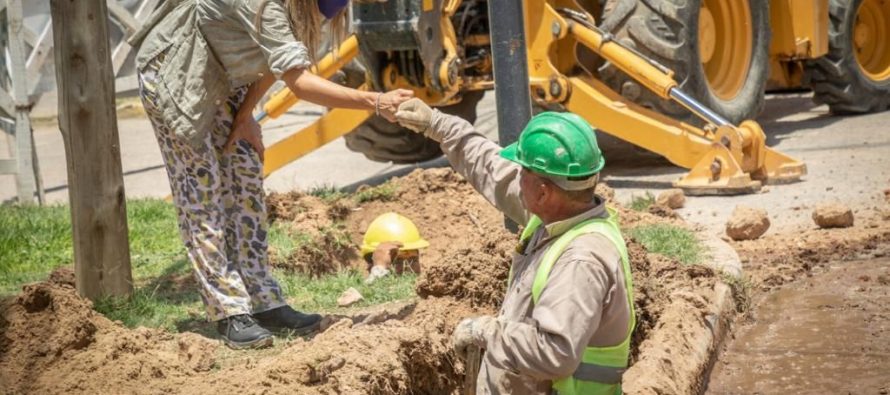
<point x="585" y="300"/>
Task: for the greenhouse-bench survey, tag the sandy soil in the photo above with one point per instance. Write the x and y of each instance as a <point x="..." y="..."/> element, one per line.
<point x="53" y="342"/>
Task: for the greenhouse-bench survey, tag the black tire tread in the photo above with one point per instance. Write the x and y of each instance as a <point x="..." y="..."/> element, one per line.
<point x="835" y="78"/>
<point x="666" y="31"/>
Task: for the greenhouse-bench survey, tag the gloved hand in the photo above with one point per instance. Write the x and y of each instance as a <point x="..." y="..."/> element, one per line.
<point x="414" y="114"/>
<point x="469" y="332"/>
<point x="377" y="272"/>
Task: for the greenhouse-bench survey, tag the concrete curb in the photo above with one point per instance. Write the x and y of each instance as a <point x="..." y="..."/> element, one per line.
<point x="698" y="348"/>
<point x="719" y="320"/>
<point x="726" y="260"/>
<point x="722" y="257"/>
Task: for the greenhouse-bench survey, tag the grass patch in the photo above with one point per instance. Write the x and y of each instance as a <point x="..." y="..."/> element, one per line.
<point x="320" y="294"/>
<point x="384" y="192"/>
<point x="284" y="240"/>
<point x="642" y="203"/>
<point x="328" y="193"/>
<point x="33" y="241"/>
<point x="159" y="303"/>
<point x="36" y="240"/>
<point x="671" y="241"/>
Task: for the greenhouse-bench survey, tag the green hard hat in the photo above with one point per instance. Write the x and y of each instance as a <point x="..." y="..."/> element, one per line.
<point x="557" y="144"/>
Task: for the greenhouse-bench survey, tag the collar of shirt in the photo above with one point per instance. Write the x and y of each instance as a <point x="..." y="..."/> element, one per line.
<point x="556" y="229"/>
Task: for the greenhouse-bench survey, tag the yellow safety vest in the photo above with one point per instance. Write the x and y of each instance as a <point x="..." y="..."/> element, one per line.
<point x="601" y="368"/>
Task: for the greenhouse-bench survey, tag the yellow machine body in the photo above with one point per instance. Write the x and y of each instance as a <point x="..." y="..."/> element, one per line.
<point x="722" y="158"/>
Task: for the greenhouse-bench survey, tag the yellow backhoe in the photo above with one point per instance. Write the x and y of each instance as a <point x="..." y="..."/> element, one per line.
<point x="682" y="79"/>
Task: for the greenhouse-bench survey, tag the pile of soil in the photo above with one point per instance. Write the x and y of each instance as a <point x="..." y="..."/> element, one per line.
<point x="323" y="243"/>
<point x="54" y="342"/>
<point x="472" y="274"/>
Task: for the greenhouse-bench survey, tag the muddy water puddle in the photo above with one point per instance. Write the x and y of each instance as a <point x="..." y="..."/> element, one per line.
<point x="826" y="334"/>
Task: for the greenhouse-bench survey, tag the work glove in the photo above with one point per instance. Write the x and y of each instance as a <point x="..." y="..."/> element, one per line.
<point x="377" y="272"/>
<point x="414" y="114"/>
<point x="470" y="332"/>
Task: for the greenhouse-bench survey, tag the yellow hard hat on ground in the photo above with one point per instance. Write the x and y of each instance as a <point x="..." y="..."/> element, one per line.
<point x="392" y="227"/>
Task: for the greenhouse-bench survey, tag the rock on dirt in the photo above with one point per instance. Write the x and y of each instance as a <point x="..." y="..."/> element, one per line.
<point x="747" y="223"/>
<point x="833" y="215"/>
<point x="673" y="198"/>
<point x="349" y="297"/>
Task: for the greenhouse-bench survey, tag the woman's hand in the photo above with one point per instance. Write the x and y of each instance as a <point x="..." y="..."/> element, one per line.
<point x="248" y="129"/>
<point x="388" y="103"/>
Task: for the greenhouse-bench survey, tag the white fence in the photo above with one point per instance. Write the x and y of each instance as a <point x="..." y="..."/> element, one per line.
<point x="27" y="72"/>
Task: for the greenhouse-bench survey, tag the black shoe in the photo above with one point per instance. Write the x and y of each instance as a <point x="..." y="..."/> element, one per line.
<point x="242" y="331"/>
<point x="286" y="318"/>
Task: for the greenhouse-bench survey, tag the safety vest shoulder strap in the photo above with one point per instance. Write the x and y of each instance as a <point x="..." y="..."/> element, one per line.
<point x="607" y="227"/>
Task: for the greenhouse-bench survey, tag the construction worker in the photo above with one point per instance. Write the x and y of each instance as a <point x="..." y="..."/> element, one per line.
<point x="391" y="243"/>
<point x="567" y="316"/>
<point x="203" y="66"/>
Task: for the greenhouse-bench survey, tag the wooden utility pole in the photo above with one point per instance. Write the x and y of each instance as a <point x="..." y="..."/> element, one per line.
<point x="88" y="123"/>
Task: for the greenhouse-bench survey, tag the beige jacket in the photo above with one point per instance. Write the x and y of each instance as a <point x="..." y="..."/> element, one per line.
<point x="212" y="47"/>
<point x="584" y="302"/>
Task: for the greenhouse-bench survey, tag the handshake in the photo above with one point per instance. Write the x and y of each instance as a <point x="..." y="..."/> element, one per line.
<point x="416" y="115"/>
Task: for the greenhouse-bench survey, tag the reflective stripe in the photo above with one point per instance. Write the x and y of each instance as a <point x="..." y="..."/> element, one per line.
<point x="599" y="373"/>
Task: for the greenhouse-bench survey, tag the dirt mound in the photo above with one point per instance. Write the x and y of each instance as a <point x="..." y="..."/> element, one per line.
<point x="470" y="273"/>
<point x="672" y="301"/>
<point x="53" y="340"/>
<point x="446" y="209"/>
<point x="404" y="352"/>
<point x="321" y="243"/>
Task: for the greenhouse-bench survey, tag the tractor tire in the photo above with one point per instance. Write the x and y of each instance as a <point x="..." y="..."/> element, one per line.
<point x="728" y="74"/>
<point x="382" y="141"/>
<point x="854" y="77"/>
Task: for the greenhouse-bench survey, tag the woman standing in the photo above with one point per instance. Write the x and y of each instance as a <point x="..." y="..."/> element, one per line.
<point x="203" y="66"/>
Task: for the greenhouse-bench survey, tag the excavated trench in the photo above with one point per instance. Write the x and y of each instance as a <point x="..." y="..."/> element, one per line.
<point x="51" y="341"/>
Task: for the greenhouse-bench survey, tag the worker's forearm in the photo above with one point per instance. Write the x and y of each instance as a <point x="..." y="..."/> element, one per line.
<point x="254" y="93"/>
<point x="529" y="351"/>
<point x="310" y="87"/>
<point x="476" y="158"/>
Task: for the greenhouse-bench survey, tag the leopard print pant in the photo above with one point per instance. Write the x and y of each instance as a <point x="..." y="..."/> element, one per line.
<point x="219" y="200"/>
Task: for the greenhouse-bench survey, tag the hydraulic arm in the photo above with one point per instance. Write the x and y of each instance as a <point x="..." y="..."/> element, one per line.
<point x="723" y="158"/>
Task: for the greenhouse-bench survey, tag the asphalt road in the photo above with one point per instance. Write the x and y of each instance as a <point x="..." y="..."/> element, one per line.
<point x="848" y="160"/>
